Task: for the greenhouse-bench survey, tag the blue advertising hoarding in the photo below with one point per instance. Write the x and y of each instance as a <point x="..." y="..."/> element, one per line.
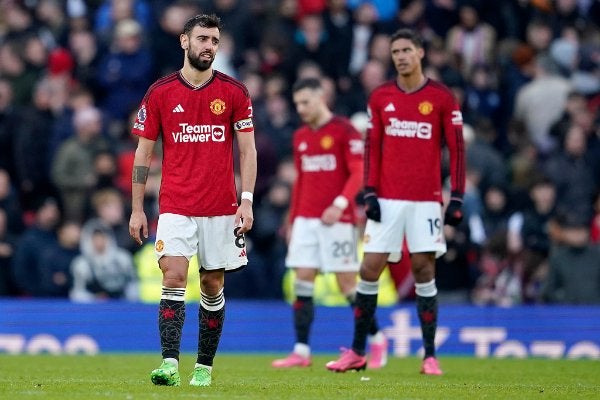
<point x="36" y="326"/>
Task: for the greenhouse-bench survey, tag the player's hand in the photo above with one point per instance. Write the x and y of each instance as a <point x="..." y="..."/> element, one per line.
<point x="331" y="215"/>
<point x="137" y="222"/>
<point x="372" y="208"/>
<point x="244" y="216"/>
<point x="454" y="213"/>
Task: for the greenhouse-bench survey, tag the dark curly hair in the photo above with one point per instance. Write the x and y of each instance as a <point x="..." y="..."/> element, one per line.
<point x="202" y="20"/>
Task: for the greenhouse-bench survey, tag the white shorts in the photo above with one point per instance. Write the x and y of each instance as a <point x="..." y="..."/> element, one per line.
<point x="329" y="248"/>
<point x="420" y="221"/>
<point x="211" y="238"/>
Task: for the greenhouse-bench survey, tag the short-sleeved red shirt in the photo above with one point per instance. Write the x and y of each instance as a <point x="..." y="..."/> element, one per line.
<point x="196" y="125"/>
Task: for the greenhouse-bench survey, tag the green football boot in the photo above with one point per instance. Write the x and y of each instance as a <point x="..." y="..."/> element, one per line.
<point x="201" y="377"/>
<point x="166" y="375"/>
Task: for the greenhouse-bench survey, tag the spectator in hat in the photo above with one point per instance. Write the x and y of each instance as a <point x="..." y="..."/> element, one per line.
<point x="60" y="62"/>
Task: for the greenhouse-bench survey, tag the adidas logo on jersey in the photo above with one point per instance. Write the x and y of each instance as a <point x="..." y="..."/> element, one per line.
<point x="390" y="107"/>
<point x="178" y="109"/>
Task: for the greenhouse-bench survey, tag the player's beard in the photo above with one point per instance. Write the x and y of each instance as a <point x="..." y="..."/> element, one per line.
<point x="200" y="64"/>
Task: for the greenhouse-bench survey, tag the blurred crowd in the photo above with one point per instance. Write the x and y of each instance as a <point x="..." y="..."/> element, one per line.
<point x="526" y="72"/>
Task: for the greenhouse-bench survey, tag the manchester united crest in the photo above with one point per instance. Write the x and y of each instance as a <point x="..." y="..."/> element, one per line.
<point x="160" y="245"/>
<point x="217" y="106"/>
<point x="326" y="142"/>
<point x="425" y="108"/>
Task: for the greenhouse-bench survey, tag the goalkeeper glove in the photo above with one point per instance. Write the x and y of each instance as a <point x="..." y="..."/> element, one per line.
<point x="372" y="208"/>
<point x="454" y="213"/>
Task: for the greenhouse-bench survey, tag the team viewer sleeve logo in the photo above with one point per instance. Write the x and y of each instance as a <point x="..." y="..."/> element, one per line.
<point x="217" y="106"/>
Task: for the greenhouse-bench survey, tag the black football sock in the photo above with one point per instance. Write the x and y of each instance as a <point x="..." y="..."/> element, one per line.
<point x="304" y="310"/>
<point x="364" y="312"/>
<point x="211" y="316"/>
<point x="171" y="315"/>
<point x="374" y="328"/>
<point x="427" y="310"/>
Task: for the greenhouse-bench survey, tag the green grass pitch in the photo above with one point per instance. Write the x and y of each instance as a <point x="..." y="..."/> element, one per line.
<point x="249" y="377"/>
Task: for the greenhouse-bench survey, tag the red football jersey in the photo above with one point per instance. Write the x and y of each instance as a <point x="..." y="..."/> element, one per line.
<point x="324" y="159"/>
<point x="196" y="125"/>
<point x="405" y="135"/>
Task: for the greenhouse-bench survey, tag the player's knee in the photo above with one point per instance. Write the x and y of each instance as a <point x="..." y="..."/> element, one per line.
<point x="173" y="277"/>
<point x="347" y="284"/>
<point x="211" y="284"/>
<point x="306" y="274"/>
<point x="371" y="268"/>
<point x="423" y="267"/>
<point x="174" y="272"/>
<point x="348" y="288"/>
<point x="423" y="272"/>
<point x="174" y="280"/>
<point x="369" y="273"/>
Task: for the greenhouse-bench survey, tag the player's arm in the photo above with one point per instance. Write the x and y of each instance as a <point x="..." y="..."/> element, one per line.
<point x="139" y="176"/>
<point x="294" y="198"/>
<point x="453" y="134"/>
<point x="247" y="149"/>
<point x="335" y="211"/>
<point x="297" y="184"/>
<point x="373" y="145"/>
<point x="353" y="156"/>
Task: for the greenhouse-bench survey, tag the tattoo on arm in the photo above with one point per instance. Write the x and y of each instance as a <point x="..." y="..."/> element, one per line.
<point x="139" y="174"/>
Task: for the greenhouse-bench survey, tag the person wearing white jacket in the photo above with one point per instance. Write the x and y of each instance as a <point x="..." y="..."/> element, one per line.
<point x="103" y="270"/>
